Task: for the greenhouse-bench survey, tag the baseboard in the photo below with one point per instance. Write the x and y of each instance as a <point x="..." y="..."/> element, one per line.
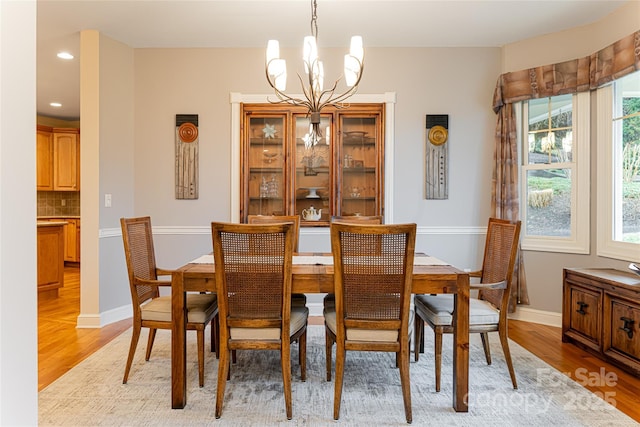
<point x="106" y="318"/>
<point x="548" y="318"/>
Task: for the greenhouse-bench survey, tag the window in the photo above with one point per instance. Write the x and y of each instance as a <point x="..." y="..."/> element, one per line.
<point x="555" y="173"/>
<point x="619" y="169"/>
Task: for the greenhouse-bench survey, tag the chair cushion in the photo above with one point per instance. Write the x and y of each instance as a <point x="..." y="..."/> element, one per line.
<point x="199" y="308"/>
<point x="299" y="317"/>
<point x="439" y="309"/>
<point x="377" y="335"/>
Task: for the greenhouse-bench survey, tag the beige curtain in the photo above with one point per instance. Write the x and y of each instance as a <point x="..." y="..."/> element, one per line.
<point x="577" y="75"/>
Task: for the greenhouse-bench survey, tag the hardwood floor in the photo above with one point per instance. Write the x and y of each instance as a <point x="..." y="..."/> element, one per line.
<point x="61" y="346"/>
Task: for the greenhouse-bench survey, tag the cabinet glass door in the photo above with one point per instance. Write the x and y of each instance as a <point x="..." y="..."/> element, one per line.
<point x="266" y="187"/>
<point x="312" y="172"/>
<point x="359" y="177"/>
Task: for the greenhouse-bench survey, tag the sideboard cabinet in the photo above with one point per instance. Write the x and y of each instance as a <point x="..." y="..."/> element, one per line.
<point x="601" y="313"/>
<point x="283" y="174"/>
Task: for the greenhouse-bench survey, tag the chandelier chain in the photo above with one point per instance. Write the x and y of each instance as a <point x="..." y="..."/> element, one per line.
<point x="314" y="19"/>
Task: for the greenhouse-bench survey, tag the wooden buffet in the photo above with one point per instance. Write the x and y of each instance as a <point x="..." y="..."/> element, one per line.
<point x="601" y="314"/>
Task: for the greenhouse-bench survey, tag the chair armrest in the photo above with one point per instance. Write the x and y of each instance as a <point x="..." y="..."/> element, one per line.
<point x="475" y="273"/>
<point x="151" y="282"/>
<point x="163" y="272"/>
<point x="494" y="285"/>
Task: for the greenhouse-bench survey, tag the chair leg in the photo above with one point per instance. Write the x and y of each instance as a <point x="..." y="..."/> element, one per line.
<point x="418" y="329"/>
<point x="484" y="336"/>
<point x="223" y="372"/>
<point x="285" y="363"/>
<point x="337" y="397"/>
<point x="152" y="337"/>
<point x="404" y="355"/>
<point x="200" y="337"/>
<point x="214" y="336"/>
<point x="329" y="340"/>
<point x="135" y="335"/>
<point x="438" y="359"/>
<point x="302" y="356"/>
<point x="504" y="340"/>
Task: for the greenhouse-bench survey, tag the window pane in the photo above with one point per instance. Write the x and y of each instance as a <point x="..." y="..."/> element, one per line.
<point x="550" y="135"/>
<point x="549" y="202"/>
<point x="626" y="140"/>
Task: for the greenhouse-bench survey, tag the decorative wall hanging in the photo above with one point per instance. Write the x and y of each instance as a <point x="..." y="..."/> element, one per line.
<point x="437" y="150"/>
<point x="187" y="156"/>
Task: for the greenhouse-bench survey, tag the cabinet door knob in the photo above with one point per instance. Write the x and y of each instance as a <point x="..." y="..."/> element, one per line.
<point x="582" y="306"/>
<point x="627" y="326"/>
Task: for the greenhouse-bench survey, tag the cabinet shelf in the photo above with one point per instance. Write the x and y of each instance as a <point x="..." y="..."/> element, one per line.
<point x="266" y="141"/>
<point x="365" y="141"/>
<point x="265" y="170"/>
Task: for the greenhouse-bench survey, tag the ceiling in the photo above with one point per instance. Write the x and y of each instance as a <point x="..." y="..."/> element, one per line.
<point x="246" y="23"/>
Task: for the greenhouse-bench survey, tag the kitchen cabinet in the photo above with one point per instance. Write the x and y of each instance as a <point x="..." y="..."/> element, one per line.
<point x="72" y="240"/>
<point x="50" y="241"/>
<point x="601" y="313"/>
<point x="57" y="159"/>
<point x="71" y="237"/>
<point x="44" y="159"/>
<point x="282" y="174"/>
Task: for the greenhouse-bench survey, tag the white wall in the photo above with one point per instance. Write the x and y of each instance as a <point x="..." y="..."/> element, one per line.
<point x="18" y="283"/>
<point x="458" y="82"/>
<point x="544" y="269"/>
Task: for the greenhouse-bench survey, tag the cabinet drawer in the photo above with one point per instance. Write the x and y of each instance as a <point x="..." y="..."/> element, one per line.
<point x="625" y="335"/>
<point x="585" y="313"/>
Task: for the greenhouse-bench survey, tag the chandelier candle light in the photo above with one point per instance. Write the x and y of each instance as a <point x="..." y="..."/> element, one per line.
<point x="316" y="98"/>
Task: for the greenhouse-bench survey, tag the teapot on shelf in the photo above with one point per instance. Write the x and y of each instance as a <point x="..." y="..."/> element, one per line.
<point x="311" y="214"/>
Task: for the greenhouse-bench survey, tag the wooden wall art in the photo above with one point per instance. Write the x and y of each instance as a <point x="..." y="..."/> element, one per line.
<point x="187" y="156"/>
<point x="437" y="156"/>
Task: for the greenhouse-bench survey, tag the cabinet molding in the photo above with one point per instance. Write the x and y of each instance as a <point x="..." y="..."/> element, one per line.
<point x="388" y="99"/>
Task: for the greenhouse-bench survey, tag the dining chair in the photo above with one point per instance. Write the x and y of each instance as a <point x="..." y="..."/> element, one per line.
<point x="253" y="283"/>
<point x="330" y="299"/>
<point x="487" y="312"/>
<point x="373" y="268"/>
<point x="296" y="299"/>
<point x="150" y="310"/>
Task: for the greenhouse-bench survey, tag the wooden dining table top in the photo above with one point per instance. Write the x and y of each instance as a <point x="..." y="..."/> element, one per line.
<point x="318" y="278"/>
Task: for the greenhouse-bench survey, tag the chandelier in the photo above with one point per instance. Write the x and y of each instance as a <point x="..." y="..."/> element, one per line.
<point x="315" y="97"/>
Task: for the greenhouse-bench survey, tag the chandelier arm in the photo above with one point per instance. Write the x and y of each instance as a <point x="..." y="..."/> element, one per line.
<point x="283" y="97"/>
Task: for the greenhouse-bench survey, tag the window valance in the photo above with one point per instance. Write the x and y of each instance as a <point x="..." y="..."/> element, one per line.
<point x="577" y="75"/>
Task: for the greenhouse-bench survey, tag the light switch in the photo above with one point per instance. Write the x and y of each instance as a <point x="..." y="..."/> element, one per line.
<point x="107" y="200"/>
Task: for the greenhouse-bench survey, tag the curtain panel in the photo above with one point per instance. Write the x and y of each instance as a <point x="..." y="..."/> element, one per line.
<point x="568" y="77"/>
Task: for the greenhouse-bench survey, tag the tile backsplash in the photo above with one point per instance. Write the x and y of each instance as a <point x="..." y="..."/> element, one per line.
<point x="58" y="203"/>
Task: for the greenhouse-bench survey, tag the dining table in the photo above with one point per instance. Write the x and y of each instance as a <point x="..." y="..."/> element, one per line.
<point x="313" y="273"/>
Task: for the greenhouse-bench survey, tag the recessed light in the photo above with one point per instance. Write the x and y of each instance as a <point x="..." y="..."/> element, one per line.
<point x="65" y="55"/>
<point x="55" y="104"/>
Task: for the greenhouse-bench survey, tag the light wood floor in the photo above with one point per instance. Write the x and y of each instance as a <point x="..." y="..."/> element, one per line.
<point x="61" y="346"/>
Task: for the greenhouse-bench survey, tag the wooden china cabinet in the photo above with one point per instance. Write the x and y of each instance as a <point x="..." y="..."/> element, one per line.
<point x="341" y="175"/>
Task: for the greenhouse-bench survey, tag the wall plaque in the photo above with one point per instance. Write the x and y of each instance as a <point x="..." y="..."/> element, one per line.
<point x="436" y="160"/>
<point x="187" y="156"/>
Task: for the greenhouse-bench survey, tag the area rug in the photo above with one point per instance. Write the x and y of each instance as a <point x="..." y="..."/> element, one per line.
<point x="92" y="394"/>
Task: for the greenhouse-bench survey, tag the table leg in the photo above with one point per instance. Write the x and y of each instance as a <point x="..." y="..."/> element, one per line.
<point x="461" y="345"/>
<point x="178" y="343"/>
